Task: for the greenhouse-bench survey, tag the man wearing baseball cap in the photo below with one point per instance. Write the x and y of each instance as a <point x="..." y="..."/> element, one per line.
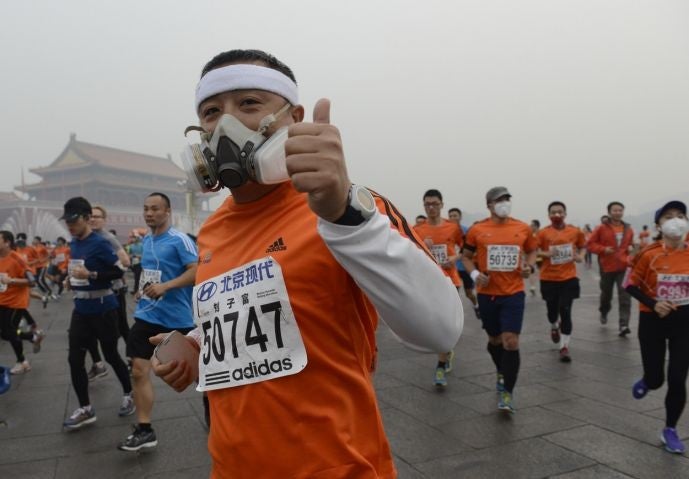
<point x="493" y="256"/>
<point x="92" y="267"/>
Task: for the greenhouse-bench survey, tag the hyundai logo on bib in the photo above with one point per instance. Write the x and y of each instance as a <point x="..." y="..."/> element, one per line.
<point x="206" y="291"/>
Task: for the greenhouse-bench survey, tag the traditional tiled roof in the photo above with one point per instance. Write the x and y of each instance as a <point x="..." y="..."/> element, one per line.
<point x="79" y="153"/>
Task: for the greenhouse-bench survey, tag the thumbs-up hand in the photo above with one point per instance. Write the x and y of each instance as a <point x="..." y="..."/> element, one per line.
<point x="316" y="165"/>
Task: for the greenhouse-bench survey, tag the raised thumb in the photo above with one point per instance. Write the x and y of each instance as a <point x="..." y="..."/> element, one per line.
<point x="321" y="112"/>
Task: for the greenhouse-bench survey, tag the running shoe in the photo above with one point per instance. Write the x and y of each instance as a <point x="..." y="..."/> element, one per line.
<point x="624" y="332"/>
<point x="54" y="296"/>
<point x="564" y="355"/>
<point x="500" y="383"/>
<point x="38" y="337"/>
<point x="127" y="408"/>
<point x="139" y="439"/>
<point x="639" y="390"/>
<point x="449" y="364"/>
<point x="80" y="417"/>
<point x="506" y="403"/>
<point x="671" y="440"/>
<point x="603" y="319"/>
<point x="21" y="368"/>
<point x="440" y="381"/>
<point x="97" y="371"/>
<point x="555" y="333"/>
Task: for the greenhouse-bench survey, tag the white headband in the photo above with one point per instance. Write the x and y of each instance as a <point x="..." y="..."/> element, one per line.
<point x="246" y="77"/>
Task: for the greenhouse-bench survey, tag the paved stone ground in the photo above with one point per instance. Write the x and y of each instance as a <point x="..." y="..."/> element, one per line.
<point x="573" y="421"/>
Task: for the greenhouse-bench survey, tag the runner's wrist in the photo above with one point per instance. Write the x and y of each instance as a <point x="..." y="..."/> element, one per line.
<point x="475" y="274"/>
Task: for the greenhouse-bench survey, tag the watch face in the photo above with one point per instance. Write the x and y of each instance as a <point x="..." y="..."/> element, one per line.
<point x="365" y="199"/>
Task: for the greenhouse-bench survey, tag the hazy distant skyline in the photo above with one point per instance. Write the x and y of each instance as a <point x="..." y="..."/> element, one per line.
<point x="581" y="101"/>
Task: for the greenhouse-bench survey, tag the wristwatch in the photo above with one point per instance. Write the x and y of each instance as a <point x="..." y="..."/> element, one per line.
<point x="360" y="207"/>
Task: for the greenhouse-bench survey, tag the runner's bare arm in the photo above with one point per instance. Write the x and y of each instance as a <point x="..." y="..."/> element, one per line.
<point x="409" y="291"/>
<point x="156" y="290"/>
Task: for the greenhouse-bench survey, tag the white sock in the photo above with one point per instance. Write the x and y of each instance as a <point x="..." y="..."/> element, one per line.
<point x="564" y="340"/>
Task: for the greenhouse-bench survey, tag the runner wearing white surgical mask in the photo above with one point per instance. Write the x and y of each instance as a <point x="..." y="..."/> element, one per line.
<point x="659" y="280"/>
<point x="497" y="245"/>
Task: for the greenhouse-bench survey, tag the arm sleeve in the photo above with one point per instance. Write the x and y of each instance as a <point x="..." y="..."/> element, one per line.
<point x="111" y="269"/>
<point x="637" y="294"/>
<point x="409" y="291"/>
<point x="110" y="273"/>
<point x="469" y="241"/>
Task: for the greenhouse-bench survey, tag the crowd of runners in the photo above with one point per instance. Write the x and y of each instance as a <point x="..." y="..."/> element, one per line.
<point x="499" y="253"/>
<point x="281" y="294"/>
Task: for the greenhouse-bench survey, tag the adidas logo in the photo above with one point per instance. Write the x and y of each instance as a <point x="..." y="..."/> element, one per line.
<point x="279" y="245"/>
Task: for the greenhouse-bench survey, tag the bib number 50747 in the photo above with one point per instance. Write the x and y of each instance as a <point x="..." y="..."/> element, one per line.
<point x="246" y="324"/>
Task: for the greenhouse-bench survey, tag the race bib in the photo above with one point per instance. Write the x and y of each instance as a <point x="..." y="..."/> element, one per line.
<point x="149" y="276"/>
<point x="250" y="333"/>
<point x="60" y="258"/>
<point x="673" y="288"/>
<point x="561" y="253"/>
<point x="73" y="263"/>
<point x="439" y="252"/>
<point x="3" y="286"/>
<point x="503" y="257"/>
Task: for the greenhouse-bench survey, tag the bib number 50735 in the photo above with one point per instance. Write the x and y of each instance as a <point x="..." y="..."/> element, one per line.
<point x="247" y="326"/>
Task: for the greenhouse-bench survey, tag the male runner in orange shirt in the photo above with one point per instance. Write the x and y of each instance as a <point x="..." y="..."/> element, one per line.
<point x="15" y="277"/>
<point x="497" y="245"/>
<point x="28" y="254"/>
<point x="444" y="238"/>
<point x="291" y="279"/>
<point x="561" y="247"/>
<point x="42" y="261"/>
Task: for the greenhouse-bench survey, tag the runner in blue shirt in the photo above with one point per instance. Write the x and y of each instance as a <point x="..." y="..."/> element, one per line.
<point x="168" y="264"/>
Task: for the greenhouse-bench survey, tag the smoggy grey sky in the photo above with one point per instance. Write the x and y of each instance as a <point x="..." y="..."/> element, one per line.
<point x="584" y="101"/>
